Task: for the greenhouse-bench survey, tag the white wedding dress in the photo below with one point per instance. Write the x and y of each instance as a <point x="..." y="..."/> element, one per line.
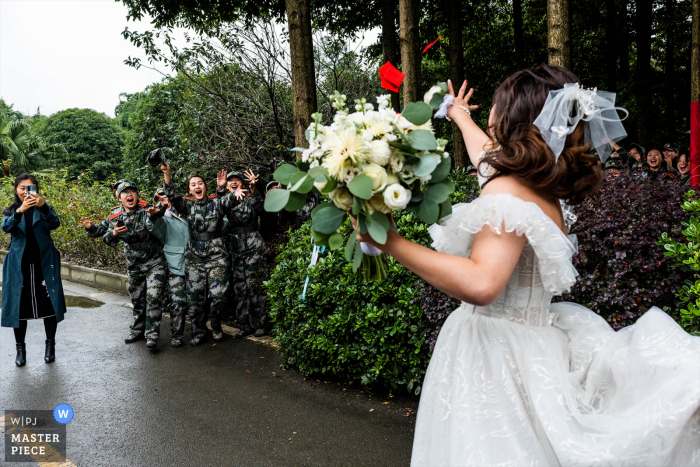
<point x="524" y="382"/>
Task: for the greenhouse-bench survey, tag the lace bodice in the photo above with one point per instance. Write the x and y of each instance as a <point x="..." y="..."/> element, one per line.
<point x="544" y="268"/>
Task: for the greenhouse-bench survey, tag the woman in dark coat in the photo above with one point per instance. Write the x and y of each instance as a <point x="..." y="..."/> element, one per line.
<point x="37" y="292"/>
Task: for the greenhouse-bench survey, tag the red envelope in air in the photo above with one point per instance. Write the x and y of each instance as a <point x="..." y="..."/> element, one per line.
<point x="391" y="77"/>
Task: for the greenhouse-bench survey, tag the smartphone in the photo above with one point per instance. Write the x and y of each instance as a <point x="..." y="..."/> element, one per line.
<point x="120" y="223"/>
<point x="30" y="190"/>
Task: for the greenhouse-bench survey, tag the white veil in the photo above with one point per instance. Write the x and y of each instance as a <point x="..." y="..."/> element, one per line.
<point x="565" y="107"/>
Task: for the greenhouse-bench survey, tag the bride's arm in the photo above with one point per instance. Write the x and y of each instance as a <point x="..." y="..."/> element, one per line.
<point x="474" y="138"/>
<point x="478" y="280"/>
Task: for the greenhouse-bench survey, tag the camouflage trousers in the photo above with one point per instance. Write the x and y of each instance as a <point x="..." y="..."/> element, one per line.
<point x="248" y="296"/>
<point x="207" y="282"/>
<point x="146" y="292"/>
<point x="178" y="303"/>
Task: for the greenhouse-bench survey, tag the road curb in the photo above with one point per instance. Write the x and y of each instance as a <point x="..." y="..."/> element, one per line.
<point x="111" y="281"/>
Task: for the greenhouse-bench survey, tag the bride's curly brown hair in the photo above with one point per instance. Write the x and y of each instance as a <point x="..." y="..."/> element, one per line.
<point x="522" y="150"/>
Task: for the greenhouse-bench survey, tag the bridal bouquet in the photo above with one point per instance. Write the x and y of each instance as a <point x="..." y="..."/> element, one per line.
<point x="368" y="163"/>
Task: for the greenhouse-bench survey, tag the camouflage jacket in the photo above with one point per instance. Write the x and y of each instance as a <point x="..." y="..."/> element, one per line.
<point x="204" y="217"/>
<point x="244" y="234"/>
<point x="141" y="248"/>
<point x="100" y="229"/>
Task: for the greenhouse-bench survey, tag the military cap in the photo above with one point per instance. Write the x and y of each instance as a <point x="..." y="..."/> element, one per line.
<point x="671" y="147"/>
<point x="159" y="192"/>
<point x="271" y="185"/>
<point x="116" y="184"/>
<point x="613" y="163"/>
<point x="234" y="173"/>
<point x="639" y="148"/>
<point x="125" y="185"/>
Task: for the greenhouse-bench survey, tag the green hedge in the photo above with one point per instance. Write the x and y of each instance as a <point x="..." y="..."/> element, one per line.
<point x="73" y="199"/>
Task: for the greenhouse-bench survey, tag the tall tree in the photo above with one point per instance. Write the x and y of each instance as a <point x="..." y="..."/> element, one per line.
<point x="409" y="11"/>
<point x="389" y="41"/>
<point x="643" y="88"/>
<point x="669" y="69"/>
<point x="518" y="34"/>
<point x="695" y="96"/>
<point x="303" y="76"/>
<point x="559" y="33"/>
<point x="453" y="13"/>
<point x="611" y="46"/>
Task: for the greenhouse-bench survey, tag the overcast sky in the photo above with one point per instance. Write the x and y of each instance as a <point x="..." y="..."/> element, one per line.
<point x="59" y="54"/>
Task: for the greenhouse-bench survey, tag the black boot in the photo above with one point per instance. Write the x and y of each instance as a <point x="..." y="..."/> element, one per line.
<point x="21" y="359"/>
<point x="50" y="354"/>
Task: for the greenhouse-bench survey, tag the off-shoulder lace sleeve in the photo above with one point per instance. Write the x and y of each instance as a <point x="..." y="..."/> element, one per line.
<point x="507" y="213"/>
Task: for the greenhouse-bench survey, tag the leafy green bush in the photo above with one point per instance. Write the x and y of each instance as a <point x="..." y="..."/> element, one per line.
<point x="369" y="333"/>
<point x="73" y="199"/>
<point x="365" y="332"/>
<point x="687" y="255"/>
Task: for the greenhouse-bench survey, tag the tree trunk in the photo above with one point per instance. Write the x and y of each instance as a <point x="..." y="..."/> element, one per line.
<point x="624" y="42"/>
<point x="643" y="92"/>
<point x="559" y="33"/>
<point x="670" y="114"/>
<point x="410" y="49"/>
<point x="611" y="46"/>
<point x="518" y="34"/>
<point x="302" y="60"/>
<point x="453" y="12"/>
<point x="389" y="41"/>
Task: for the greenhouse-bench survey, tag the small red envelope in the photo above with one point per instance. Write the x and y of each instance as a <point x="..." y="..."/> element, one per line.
<point x="391" y="77"/>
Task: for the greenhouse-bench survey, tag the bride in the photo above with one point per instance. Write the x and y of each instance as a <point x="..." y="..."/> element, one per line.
<point x="515" y="380"/>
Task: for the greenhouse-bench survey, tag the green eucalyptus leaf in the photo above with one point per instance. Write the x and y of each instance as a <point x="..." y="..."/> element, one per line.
<point x="441" y="171"/>
<point x="436" y="100"/>
<point x="362" y="223"/>
<point x="421" y="140"/>
<point x="426" y="165"/>
<point x="429" y="212"/>
<point x="356" y="205"/>
<point x="329" y="186"/>
<point x="402" y="147"/>
<point x="328" y="220"/>
<point x="450" y="185"/>
<point x="319" y="207"/>
<point x="443" y="87"/>
<point x="357" y="259"/>
<point x="320" y="239"/>
<point x="445" y="209"/>
<point x="437" y="193"/>
<point x="361" y="185"/>
<point x="298" y="149"/>
<point x="296" y="201"/>
<point x="276" y="200"/>
<point x="417" y="113"/>
<point x="335" y="241"/>
<point x="350" y="246"/>
<point x="301" y="183"/>
<point x="284" y="173"/>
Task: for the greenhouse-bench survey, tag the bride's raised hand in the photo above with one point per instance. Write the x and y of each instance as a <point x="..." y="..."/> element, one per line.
<point x="461" y="100"/>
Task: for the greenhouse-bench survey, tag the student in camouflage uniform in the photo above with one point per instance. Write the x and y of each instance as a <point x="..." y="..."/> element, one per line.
<point x="246" y="245"/>
<point x="95" y="231"/>
<point x="173" y="231"/>
<point x="145" y="264"/>
<point x="206" y="259"/>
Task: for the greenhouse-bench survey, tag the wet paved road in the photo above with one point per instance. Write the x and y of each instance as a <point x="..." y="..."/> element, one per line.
<point x="228" y="404"/>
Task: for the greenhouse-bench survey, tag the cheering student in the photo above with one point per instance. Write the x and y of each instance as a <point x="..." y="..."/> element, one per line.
<point x="246" y="246"/>
<point x="145" y="263"/>
<point x="37" y="292"/>
<point x="515" y="379"/>
<point x="95" y="231"/>
<point x="206" y="259"/>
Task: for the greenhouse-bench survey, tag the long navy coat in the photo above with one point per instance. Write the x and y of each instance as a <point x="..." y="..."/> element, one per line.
<point x="12" y="266"/>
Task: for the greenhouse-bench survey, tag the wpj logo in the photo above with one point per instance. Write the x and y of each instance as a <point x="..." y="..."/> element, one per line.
<point x="35" y="435"/>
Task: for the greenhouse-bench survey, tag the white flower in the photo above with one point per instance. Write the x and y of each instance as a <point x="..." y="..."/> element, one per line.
<point x="384" y="101"/>
<point x="396" y="196"/>
<point x="376" y="203"/>
<point x="407" y="171"/>
<point x="404" y="124"/>
<point x="431" y="92"/>
<point x="342" y="198"/>
<point x="585" y="99"/>
<point x="396" y="162"/>
<point x="377" y="174"/>
<point x="426" y="179"/>
<point x="369" y="106"/>
<point x="358" y="107"/>
<point x="380" y="152"/>
<point x="348" y="173"/>
<point x="320" y="185"/>
<point x="344" y="146"/>
<point x="445" y="155"/>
